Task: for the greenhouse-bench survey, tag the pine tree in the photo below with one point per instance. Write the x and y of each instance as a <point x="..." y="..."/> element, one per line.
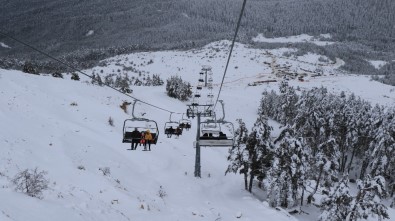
<point x="288" y="99"/>
<point x="148" y="81"/>
<point x="93" y="79"/>
<point x="108" y="80"/>
<point x="336" y="206"/>
<point x="156" y="80"/>
<point x="99" y="80"/>
<point x="368" y="203"/>
<point x="238" y="155"/>
<point x="288" y="173"/>
<point x="383" y="147"/>
<point x="179" y="89"/>
<point x="325" y="166"/>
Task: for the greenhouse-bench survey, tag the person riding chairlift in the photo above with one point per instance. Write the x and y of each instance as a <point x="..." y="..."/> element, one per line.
<point x="148" y="140"/>
<point x="136" y="137"/>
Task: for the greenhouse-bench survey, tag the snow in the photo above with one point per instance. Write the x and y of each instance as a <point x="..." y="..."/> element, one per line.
<point x="90" y="32"/>
<point x="185" y="15"/>
<point x="40" y="128"/>
<point x="295" y="39"/>
<point x="377" y="63"/>
<point x="2" y="44"/>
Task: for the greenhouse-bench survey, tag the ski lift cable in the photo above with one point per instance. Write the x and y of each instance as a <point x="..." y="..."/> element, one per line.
<point x="230" y="52"/>
<point x="79" y="71"/>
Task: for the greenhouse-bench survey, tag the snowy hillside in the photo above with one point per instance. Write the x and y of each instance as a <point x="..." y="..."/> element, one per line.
<point x="61" y="126"/>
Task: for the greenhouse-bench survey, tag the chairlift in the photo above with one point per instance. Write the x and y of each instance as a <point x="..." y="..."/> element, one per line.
<point x="190" y="113"/>
<point x="217" y="133"/>
<point x="199" y="87"/>
<point x="185" y="123"/>
<point x="201" y="80"/>
<point x="171" y="127"/>
<point x="142" y="125"/>
<point x="197" y="95"/>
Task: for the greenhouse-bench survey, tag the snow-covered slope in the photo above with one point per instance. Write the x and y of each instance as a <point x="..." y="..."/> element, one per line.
<point x="40" y="128"/>
<point x="61" y="126"/>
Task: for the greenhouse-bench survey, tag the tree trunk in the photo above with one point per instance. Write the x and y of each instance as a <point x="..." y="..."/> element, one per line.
<point x="245" y="181"/>
<point x="251" y="180"/>
<point x="352" y="158"/>
<point x="310" y="197"/>
<point x="364" y="166"/>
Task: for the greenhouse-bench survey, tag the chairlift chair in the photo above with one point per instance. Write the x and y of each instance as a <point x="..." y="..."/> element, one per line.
<point x="213" y="134"/>
<point x="171" y="126"/>
<point x="185" y="123"/>
<point x="142" y="125"/>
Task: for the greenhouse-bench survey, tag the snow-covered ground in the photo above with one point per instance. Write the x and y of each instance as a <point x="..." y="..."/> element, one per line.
<point x="295" y="39"/>
<point x="377" y="63"/>
<point x="2" y="44"/>
<point x="61" y="126"/>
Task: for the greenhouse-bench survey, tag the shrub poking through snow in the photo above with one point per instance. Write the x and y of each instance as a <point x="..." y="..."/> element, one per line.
<point x="57" y="75"/>
<point x="75" y="76"/>
<point x="111" y="121"/>
<point x="31" y="182"/>
<point x="105" y="170"/>
<point x="162" y="193"/>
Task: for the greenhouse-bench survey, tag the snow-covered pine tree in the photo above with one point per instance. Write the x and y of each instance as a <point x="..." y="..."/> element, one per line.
<point x="269" y="104"/>
<point x="185" y="91"/>
<point x="99" y="80"/>
<point x="138" y="82"/>
<point x="287" y="100"/>
<point x="108" y="80"/>
<point x="337" y="205"/>
<point x="177" y="88"/>
<point x="368" y="203"/>
<point x="148" y="81"/>
<point x="377" y="115"/>
<point x="93" y="79"/>
<point x="288" y="173"/>
<point x="172" y="85"/>
<point x="361" y="124"/>
<point x="117" y="82"/>
<point x="238" y="155"/>
<point x="310" y="119"/>
<point x="383" y="147"/>
<point x="325" y="166"/>
<point x="262" y="143"/>
<point x="156" y="80"/>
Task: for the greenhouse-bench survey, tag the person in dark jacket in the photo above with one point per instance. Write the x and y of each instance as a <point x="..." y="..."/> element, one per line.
<point x="136" y="136"/>
<point x="170" y="131"/>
